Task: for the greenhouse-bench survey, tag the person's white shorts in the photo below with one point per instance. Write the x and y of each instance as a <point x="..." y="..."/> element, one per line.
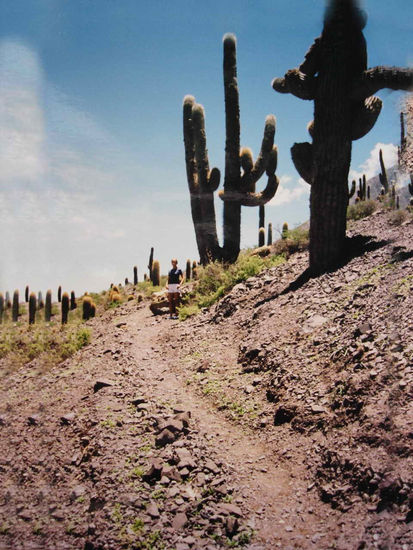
<point x="173" y="289"/>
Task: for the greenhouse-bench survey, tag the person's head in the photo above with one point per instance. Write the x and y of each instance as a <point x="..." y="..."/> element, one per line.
<point x="174" y="262"/>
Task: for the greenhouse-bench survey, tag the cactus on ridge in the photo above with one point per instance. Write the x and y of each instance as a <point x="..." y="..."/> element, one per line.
<point x="48" y="306"/>
<point x="32" y="308"/>
<point x="135" y="275"/>
<point x="65" y="307"/>
<point x="26" y="294"/>
<point x="59" y="294"/>
<point x="269" y="234"/>
<point x="188" y="270"/>
<point x="156" y="273"/>
<point x="73" y="304"/>
<point x="15" y="309"/>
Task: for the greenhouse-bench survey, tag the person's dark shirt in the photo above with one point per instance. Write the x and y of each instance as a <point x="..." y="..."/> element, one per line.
<point x="174" y="275"/>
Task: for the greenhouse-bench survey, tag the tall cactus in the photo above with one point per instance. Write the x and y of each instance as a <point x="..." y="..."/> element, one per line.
<point x="261" y="224"/>
<point x="383" y="174"/>
<point x="135" y="275"/>
<point x="48" y="306"/>
<point x="32" y="308"/>
<point x="334" y="75"/>
<point x="239" y="187"/>
<point x="150" y="263"/>
<point x="188" y="270"/>
<point x="65" y="308"/>
<point x="59" y="294"/>
<point x="7" y="299"/>
<point x="26" y="294"/>
<point x="2" y="306"/>
<point x="86" y="308"/>
<point x="15" y="309"/>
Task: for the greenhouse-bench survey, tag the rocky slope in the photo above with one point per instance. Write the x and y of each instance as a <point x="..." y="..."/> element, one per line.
<point x="280" y="418"/>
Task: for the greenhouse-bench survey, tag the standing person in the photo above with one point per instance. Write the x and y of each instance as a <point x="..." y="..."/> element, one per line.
<point x="175" y="278"/>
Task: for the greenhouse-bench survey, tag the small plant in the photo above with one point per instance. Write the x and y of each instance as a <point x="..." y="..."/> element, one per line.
<point x="32" y="308"/>
<point x="48" y="306"/>
<point x="156" y="273"/>
<point x="65" y="308"/>
<point x="398" y="217"/>
<point x="15" y="310"/>
<point x="361" y="209"/>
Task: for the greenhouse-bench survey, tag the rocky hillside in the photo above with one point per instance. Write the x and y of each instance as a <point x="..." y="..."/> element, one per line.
<point x="281" y="417"/>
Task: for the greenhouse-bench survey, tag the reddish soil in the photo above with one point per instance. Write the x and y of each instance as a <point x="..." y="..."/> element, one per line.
<point x="280" y="418"/>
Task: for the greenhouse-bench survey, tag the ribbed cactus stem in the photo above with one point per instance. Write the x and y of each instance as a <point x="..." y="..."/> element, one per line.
<point x="48" y="306"/>
<point x="2" y="304"/>
<point x="15" y="309"/>
<point x="32" y="308"/>
<point x="135" y="275"/>
<point x="269" y="234"/>
<point x="156" y="273"/>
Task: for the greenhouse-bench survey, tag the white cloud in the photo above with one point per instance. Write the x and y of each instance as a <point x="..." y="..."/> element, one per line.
<point x="286" y="193"/>
<point x="371" y="167"/>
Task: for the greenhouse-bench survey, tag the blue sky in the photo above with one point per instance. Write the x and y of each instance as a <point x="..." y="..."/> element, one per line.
<point x="92" y="170"/>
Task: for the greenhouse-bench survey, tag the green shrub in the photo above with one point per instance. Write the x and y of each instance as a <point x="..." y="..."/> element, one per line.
<point x="216" y="279"/>
<point x="361" y="209"/>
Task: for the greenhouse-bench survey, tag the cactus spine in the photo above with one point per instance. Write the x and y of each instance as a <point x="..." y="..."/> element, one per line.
<point x="32" y="308"/>
<point x="15" y="310"/>
<point x="135" y="275"/>
<point x="48" y="307"/>
<point x="1" y="307"/>
<point x="269" y="235"/>
<point x="156" y="273"/>
<point x="65" y="308"/>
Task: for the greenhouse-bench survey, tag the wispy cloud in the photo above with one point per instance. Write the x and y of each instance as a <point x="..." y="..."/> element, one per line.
<point x="371" y="167"/>
<point x="289" y="190"/>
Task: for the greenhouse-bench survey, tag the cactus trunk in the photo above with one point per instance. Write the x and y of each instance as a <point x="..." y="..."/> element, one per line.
<point x="32" y="308"/>
<point x="48" y="306"/>
<point x="135" y="275"/>
<point x="15" y="310"/>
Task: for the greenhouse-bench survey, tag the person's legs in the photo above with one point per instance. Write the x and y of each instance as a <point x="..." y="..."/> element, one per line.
<point x="176" y="296"/>
<point x="171" y="303"/>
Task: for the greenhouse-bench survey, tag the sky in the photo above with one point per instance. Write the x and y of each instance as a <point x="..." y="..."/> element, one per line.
<point x="92" y="167"/>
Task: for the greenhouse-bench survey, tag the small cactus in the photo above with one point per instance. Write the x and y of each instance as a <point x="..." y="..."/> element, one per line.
<point x="7" y="300"/>
<point x="261" y="236"/>
<point x="48" y="306"/>
<point x="284" y="232"/>
<point x="145" y="277"/>
<point x="188" y="270"/>
<point x="87" y="306"/>
<point x="73" y="304"/>
<point x="93" y="309"/>
<point x="194" y="269"/>
<point x="15" y="311"/>
<point x="397" y="203"/>
<point x="1" y="307"/>
<point x="59" y="294"/>
<point x="156" y="273"/>
<point x="126" y="281"/>
<point x="383" y="174"/>
<point x="32" y="308"/>
<point x="150" y="263"/>
<point x="269" y="234"/>
<point x="26" y="294"/>
<point x="65" y="308"/>
<point x="368" y="192"/>
<point x="135" y="275"/>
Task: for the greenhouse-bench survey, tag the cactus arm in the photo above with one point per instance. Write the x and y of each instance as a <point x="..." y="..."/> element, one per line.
<point x="302" y="156"/>
<point x="258" y="199"/>
<point x="377" y="78"/>
<point x="311" y="63"/>
<point x="297" y="83"/>
<point x="364" y="117"/>
<point x="266" y="148"/>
